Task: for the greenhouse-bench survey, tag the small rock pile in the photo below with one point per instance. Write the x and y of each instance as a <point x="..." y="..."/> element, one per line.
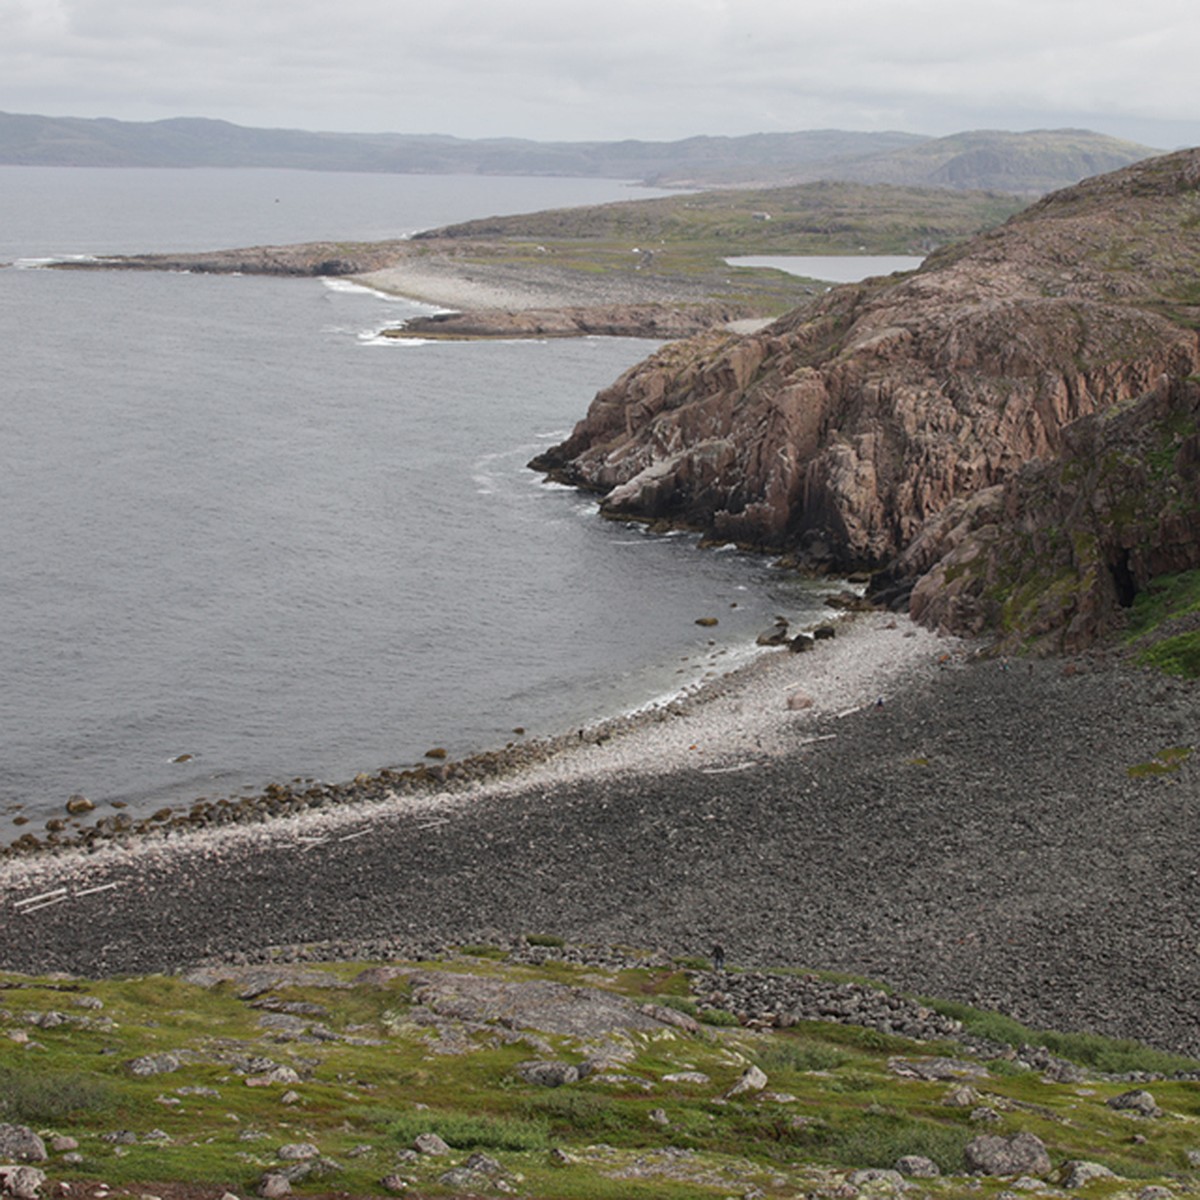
<point x="782" y="1000"/>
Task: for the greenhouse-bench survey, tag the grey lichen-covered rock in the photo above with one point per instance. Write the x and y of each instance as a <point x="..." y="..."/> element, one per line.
<point x="550" y="1074"/>
<point x="984" y="1114"/>
<point x="671" y="1016"/>
<point x="753" y="1079"/>
<point x="1022" y="1154"/>
<point x="296" y="1151"/>
<point x="273" y="1185"/>
<point x="430" y="1143"/>
<point x="273" y="1076"/>
<point x="21" y="1182"/>
<point x="877" y="1179"/>
<point x="48" y="1020"/>
<point x="1140" y="1102"/>
<point x="463" y="1178"/>
<point x="962" y="1097"/>
<point x="917" y="1166"/>
<point x="936" y="1068"/>
<point x="485" y="1164"/>
<point x="153" y="1064"/>
<point x="19" y="1143"/>
<point x="1079" y="1173"/>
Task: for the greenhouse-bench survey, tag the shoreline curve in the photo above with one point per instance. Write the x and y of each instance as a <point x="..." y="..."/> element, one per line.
<point x="984" y="835"/>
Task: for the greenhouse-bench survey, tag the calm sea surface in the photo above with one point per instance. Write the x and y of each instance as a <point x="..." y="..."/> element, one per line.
<point x="235" y="525"/>
<point x="835" y="268"/>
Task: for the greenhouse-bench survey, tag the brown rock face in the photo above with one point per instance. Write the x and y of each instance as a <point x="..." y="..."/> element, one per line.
<point x="838" y="432"/>
<point x="1058" y="551"/>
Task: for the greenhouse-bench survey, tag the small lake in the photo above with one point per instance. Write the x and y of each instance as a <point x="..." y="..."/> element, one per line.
<point x="835" y="268"/>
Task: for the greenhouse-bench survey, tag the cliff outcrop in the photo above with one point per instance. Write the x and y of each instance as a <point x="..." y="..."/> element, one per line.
<point x="1062" y="547"/>
<point x="652" y="320"/>
<point x="842" y="431"/>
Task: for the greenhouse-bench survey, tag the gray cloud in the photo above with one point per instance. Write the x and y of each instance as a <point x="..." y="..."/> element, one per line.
<point x="577" y="69"/>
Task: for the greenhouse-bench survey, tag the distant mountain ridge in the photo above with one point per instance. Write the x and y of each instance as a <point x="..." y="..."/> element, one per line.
<point x="1019" y="163"/>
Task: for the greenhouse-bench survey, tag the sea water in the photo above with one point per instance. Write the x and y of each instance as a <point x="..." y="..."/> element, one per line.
<point x="243" y="539"/>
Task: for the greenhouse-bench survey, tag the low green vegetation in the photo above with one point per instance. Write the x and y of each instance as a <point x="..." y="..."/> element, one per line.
<point x="165" y="1080"/>
<point x="685" y="240"/>
<point x="1159" y="621"/>
<point x="1110" y="1055"/>
<point x="811" y="218"/>
<point x="31" y="1095"/>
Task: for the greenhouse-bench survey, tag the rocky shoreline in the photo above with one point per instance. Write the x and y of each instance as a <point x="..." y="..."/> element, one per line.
<point x="1009" y="835"/>
<point x="486" y="296"/>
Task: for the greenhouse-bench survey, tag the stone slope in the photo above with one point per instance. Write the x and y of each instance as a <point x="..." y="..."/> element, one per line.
<point x="838" y="432"/>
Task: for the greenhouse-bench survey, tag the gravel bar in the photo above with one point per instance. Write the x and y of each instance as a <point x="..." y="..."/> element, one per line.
<point x="947" y="823"/>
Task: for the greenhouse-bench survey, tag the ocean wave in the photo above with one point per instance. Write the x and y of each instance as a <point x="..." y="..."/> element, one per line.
<point x="33" y="264"/>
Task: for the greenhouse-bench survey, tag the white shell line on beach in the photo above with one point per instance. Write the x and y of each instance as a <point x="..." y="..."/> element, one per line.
<point x="32" y="908"/>
<point x="62" y="891"/>
<point x="349" y="837"/>
<point x="32" y="904"/>
<point x="742" y="766"/>
<point x="101" y="887"/>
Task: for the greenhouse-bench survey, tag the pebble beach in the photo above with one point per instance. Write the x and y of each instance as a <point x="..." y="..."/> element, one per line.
<point x="1019" y="835"/>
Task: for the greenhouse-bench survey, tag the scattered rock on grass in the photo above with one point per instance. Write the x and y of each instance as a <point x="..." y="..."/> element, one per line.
<point x="153" y="1064"/>
<point x="430" y="1143"/>
<point x="1079" y="1173"/>
<point x="917" y="1166"/>
<point x="21" y="1182"/>
<point x="1140" y="1102"/>
<point x="1023" y="1154"/>
<point x="276" y="1075"/>
<point x="549" y="1074"/>
<point x="296" y="1151"/>
<point x="753" y="1079"/>
<point x="18" y="1143"/>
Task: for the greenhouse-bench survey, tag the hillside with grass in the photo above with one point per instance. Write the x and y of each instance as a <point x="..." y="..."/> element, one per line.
<point x="814" y="218"/>
<point x="543" y="1070"/>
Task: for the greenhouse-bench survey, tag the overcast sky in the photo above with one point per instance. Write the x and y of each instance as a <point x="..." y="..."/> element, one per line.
<point x="611" y="69"/>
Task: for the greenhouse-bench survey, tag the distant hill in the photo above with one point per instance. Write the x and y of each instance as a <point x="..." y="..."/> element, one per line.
<point x="1019" y="163"/>
<point x="1030" y="163"/>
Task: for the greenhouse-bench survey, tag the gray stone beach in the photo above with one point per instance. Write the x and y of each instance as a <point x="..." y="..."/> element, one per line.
<point x="1013" y="834"/>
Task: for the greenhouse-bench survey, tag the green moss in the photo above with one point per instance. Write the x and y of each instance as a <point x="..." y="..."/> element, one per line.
<point x="1165" y="762"/>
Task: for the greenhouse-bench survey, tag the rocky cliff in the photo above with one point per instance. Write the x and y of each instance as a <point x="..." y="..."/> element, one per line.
<point x="1060" y="548"/>
<point x="840" y="432"/>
